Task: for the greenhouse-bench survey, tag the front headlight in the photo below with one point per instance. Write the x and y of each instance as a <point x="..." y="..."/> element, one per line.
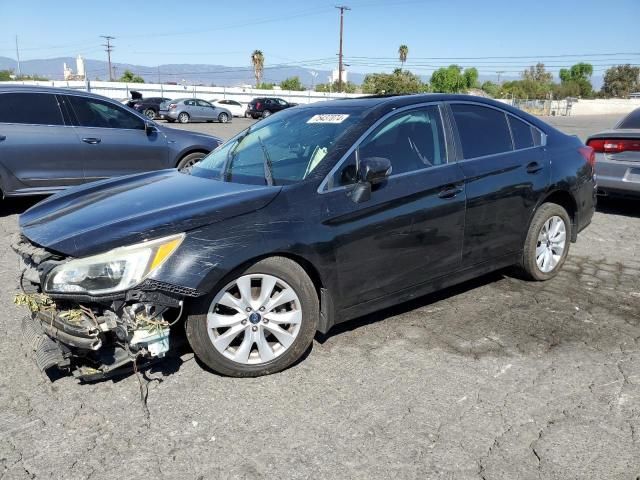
<point x="113" y="271"/>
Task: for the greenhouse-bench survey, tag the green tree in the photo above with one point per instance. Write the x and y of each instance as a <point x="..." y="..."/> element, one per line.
<point x="129" y="77"/>
<point x="491" y="89"/>
<point x="398" y="82"/>
<point x="537" y="73"/>
<point x="575" y="81"/>
<point x="266" y="86"/>
<point x="5" y="75"/>
<point x="621" y="80"/>
<point x="348" y="87"/>
<point x="471" y="77"/>
<point x="450" y="80"/>
<point x="403" y="51"/>
<point x="292" y="83"/>
<point x="257" y="60"/>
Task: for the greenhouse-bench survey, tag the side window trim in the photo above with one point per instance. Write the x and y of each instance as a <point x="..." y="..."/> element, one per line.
<point x="459" y="153"/>
<point x="323" y="187"/>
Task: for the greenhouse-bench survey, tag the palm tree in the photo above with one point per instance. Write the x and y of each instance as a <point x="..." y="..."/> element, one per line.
<point x="257" y="60"/>
<point x="403" y="51"/>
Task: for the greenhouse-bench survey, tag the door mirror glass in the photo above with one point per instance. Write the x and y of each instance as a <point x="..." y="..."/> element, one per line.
<point x="374" y="170"/>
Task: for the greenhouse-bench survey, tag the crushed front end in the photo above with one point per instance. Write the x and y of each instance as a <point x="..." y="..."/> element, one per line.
<point x="93" y="336"/>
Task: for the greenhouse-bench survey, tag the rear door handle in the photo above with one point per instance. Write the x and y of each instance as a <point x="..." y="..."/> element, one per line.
<point x="91" y="140"/>
<point x="3" y="138"/>
<point x="534" y="167"/>
<point x="450" y="191"/>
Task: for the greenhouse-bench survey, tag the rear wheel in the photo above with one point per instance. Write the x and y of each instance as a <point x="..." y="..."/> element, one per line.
<point x="266" y="113"/>
<point x="261" y="321"/>
<point x="150" y="114"/>
<point x="170" y="120"/>
<point x="183" y="117"/>
<point x="547" y="243"/>
<point x="223" y="118"/>
<point x="188" y="161"/>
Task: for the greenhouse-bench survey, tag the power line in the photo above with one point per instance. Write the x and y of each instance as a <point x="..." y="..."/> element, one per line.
<point x="108" y="49"/>
<point x="534" y="57"/>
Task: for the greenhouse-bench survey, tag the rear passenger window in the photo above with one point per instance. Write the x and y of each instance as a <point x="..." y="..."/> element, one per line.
<point x="522" y="133"/>
<point x="482" y="130"/>
<point x="92" y="112"/>
<point x="631" y="121"/>
<point x="32" y="108"/>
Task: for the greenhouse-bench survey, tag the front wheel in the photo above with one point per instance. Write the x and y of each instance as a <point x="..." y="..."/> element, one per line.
<point x="183" y="117"/>
<point x="547" y="243"/>
<point x="261" y="321"/>
<point x="187" y="163"/>
<point x="223" y="118"/>
<point x="150" y="114"/>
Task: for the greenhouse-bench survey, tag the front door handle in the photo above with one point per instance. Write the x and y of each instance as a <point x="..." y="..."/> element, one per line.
<point x="3" y="138"/>
<point x="91" y="140"/>
<point x="534" y="167"/>
<point x="450" y="191"/>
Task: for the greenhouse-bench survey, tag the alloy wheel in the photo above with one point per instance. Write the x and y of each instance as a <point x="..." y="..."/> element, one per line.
<point x="183" y="117"/>
<point x="223" y="118"/>
<point x="254" y="319"/>
<point x="150" y="114"/>
<point x="551" y="244"/>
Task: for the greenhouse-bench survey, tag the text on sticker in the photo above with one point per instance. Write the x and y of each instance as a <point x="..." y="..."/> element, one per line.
<point x="328" y="118"/>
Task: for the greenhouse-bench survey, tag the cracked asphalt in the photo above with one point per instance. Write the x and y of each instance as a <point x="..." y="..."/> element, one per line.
<point x="497" y="378"/>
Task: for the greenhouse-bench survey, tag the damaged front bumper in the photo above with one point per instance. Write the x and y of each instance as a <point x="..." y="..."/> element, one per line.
<point x="93" y="337"/>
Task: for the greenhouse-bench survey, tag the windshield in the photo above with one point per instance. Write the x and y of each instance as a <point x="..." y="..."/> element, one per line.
<point x="287" y="147"/>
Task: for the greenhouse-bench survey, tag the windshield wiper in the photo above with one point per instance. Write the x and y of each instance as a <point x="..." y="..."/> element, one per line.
<point x="268" y="167"/>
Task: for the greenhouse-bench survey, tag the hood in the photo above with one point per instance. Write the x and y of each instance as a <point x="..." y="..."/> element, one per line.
<point x="99" y="216"/>
<point x="196" y="138"/>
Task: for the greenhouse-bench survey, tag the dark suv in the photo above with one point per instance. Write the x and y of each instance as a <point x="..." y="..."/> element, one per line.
<point x="51" y="138"/>
<point x="263" y="107"/>
<point x="149" y="107"/>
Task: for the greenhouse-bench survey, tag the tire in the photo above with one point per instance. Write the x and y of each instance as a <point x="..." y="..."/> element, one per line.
<point x="223" y="118"/>
<point x="188" y="161"/>
<point x="184" y="117"/>
<point x="534" y="265"/>
<point x="150" y="114"/>
<point x="170" y="120"/>
<point x="305" y="308"/>
<point x="254" y="116"/>
<point x="266" y="113"/>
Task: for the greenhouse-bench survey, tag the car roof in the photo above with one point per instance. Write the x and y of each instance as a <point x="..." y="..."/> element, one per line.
<point x="13" y="87"/>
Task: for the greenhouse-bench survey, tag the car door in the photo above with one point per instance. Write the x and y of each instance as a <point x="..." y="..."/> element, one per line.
<point x="38" y="147"/>
<point x="411" y="229"/>
<point x="115" y="140"/>
<point x="192" y="109"/>
<point x="503" y="183"/>
<point x="206" y="110"/>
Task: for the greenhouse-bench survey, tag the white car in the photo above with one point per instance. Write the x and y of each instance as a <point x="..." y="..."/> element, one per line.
<point x="236" y="108"/>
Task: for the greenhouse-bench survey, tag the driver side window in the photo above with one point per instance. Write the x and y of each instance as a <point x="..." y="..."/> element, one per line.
<point x="92" y="112"/>
<point x="411" y="141"/>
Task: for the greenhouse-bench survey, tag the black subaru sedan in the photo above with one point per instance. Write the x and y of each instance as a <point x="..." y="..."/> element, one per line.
<point x="314" y="216"/>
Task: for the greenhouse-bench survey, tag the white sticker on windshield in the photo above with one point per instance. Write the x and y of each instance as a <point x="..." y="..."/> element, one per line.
<point x="328" y="118"/>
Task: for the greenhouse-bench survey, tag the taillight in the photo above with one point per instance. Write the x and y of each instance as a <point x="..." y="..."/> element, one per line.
<point x="172" y="106"/>
<point x="609" y="145"/>
<point x="258" y="105"/>
<point x="137" y="105"/>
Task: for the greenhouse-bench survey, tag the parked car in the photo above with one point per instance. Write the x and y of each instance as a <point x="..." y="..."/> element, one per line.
<point x="149" y="107"/>
<point x="263" y="107"/>
<point x="52" y="138"/>
<point x="618" y="157"/>
<point x="186" y="110"/>
<point x="312" y="217"/>
<point x="236" y="108"/>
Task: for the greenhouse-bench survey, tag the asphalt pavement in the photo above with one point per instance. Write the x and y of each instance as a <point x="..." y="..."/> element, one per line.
<point x="497" y="378"/>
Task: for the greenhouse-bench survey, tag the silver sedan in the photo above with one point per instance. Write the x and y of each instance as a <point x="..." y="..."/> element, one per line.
<point x="618" y="157"/>
<point x="186" y="110"/>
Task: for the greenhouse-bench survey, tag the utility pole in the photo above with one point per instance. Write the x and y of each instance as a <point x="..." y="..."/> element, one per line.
<point x="500" y="72"/>
<point x="108" y="49"/>
<point x="342" y="8"/>
<point x="18" y="57"/>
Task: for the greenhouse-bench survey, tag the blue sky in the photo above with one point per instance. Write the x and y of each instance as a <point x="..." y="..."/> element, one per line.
<point x="306" y="32"/>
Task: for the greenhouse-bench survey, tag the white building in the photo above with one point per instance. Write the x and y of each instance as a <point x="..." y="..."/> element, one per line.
<point x="80" y="70"/>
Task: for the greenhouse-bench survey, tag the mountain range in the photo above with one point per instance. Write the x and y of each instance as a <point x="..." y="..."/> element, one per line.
<point x="198" y="74"/>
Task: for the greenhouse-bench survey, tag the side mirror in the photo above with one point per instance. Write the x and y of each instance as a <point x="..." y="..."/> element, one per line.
<point x="372" y="171"/>
<point x="149" y="128"/>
